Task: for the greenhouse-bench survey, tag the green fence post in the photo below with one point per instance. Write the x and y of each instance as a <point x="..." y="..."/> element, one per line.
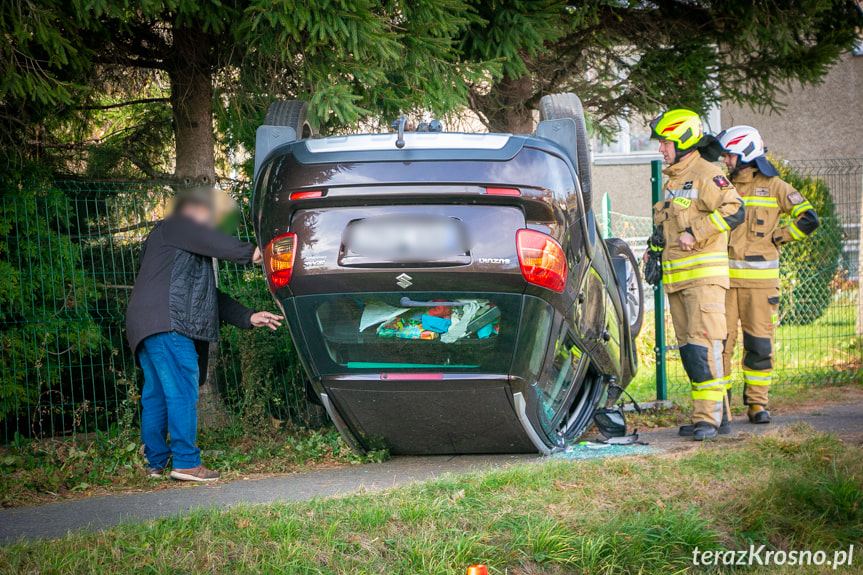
<point x="659" y="298"/>
<point x="606" y="215"/>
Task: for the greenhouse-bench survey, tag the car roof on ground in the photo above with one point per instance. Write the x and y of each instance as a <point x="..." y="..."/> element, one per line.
<point x="419" y="146"/>
<point x="413" y="140"/>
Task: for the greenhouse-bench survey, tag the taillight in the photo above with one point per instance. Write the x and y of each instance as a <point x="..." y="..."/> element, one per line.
<point x="279" y="258"/>
<point x="503" y="192"/>
<point x="541" y="259"/>
<point x="306" y="195"/>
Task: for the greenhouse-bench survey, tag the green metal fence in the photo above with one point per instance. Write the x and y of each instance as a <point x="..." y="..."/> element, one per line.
<point x="68" y="257"/>
<point x="69" y="253"/>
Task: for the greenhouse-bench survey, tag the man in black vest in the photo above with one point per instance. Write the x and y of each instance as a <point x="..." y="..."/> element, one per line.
<point x="174" y="313"/>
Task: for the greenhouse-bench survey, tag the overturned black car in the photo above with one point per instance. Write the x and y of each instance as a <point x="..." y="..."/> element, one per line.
<point x="447" y="292"/>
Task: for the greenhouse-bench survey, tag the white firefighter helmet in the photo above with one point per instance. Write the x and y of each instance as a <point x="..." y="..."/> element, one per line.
<point x="745" y="141"/>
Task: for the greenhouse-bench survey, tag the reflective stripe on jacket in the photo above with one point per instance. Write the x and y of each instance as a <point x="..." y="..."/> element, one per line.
<point x="699" y="199"/>
<point x="753" y="247"/>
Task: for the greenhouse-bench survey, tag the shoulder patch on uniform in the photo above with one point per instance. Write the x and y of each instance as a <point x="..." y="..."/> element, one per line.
<point x="796" y="198"/>
<point x="762" y="192"/>
<point x="722" y="182"/>
<point x="687" y="186"/>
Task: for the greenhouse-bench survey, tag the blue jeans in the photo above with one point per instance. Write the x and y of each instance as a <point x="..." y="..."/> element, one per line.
<point x="168" y="400"/>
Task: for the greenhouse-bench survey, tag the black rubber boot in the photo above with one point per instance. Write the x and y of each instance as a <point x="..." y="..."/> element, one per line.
<point x="724" y="427"/>
<point x="704" y="430"/>
<point x="689" y="429"/>
<point x="758" y="415"/>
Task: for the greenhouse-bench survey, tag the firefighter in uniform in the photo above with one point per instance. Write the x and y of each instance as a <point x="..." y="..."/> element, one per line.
<point x="698" y="209"/>
<point x="753" y="251"/>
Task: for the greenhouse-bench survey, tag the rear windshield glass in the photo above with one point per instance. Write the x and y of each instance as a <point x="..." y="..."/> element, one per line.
<point x="464" y="332"/>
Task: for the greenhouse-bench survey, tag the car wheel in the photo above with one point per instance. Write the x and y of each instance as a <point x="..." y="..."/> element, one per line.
<point x="633" y="291"/>
<point x="561" y="106"/>
<point x="292" y="114"/>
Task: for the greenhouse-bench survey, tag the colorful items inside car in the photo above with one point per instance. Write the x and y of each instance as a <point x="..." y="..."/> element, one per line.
<point x="478" y="319"/>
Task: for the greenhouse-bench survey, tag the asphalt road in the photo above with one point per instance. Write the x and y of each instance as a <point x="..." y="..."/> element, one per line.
<point x="58" y="519"/>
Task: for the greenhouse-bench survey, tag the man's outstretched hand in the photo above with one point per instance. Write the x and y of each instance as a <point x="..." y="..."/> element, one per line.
<point x="265" y="318"/>
<point x="257" y="257"/>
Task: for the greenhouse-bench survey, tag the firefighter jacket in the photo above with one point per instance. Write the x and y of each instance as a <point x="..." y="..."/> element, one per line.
<point x="698" y="199"/>
<point x="753" y="248"/>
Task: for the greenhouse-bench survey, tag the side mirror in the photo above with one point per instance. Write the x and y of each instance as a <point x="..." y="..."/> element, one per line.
<point x="611" y="422"/>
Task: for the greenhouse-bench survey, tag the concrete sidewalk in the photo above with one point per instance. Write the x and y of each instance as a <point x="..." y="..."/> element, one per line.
<point x="58" y="519"/>
<point x="845" y="419"/>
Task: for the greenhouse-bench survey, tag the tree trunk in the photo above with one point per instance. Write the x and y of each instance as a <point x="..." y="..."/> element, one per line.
<point x="190" y="73"/>
<point x="211" y="409"/>
<point x="508" y="106"/>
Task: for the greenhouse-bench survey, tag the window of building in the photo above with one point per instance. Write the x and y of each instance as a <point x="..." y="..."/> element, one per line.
<point x="633" y="145"/>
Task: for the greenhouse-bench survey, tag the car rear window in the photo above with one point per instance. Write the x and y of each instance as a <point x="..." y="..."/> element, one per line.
<point x="399" y="331"/>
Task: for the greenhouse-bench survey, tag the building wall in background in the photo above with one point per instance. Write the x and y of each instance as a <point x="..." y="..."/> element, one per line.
<point x="628" y="187"/>
<point x="820" y="122"/>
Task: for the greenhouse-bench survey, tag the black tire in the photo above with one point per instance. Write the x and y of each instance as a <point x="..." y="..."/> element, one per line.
<point x="293" y="114"/>
<point x="632" y="286"/>
<point x="558" y="107"/>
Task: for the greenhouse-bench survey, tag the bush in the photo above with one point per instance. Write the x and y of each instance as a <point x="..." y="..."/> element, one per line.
<point x="808" y="267"/>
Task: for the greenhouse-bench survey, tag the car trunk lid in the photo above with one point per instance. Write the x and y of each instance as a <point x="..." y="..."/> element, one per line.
<point x="406" y="247"/>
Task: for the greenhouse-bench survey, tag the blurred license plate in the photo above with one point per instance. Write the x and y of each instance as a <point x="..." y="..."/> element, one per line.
<point x="405" y="238"/>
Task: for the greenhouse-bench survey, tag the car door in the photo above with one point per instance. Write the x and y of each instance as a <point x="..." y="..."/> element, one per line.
<point x="562" y="378"/>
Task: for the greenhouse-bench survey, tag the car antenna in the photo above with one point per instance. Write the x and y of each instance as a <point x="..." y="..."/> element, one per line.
<point x="400" y="126"/>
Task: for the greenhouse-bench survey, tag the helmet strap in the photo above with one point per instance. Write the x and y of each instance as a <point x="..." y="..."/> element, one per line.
<point x="741" y="166"/>
<point x="678" y="153"/>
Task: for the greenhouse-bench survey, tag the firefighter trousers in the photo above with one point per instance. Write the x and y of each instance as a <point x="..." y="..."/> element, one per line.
<point x="756" y="310"/>
<point x="698" y="314"/>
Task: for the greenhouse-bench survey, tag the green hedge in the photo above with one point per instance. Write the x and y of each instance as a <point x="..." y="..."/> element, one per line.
<point x="808" y="268"/>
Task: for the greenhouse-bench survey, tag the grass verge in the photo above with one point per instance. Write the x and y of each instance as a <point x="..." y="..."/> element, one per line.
<point x="792" y="489"/>
<point x="33" y="472"/>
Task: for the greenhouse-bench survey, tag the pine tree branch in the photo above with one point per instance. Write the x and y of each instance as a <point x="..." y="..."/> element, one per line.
<point x="127" y="103"/>
<point x="147" y="169"/>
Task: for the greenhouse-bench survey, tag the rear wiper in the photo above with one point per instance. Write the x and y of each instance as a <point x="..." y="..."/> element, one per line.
<point x="408" y="302"/>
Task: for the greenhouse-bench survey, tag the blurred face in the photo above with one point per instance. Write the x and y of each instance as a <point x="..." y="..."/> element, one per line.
<point x="669" y="154"/>
<point x="199" y="213"/>
<point x="730" y="162"/>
